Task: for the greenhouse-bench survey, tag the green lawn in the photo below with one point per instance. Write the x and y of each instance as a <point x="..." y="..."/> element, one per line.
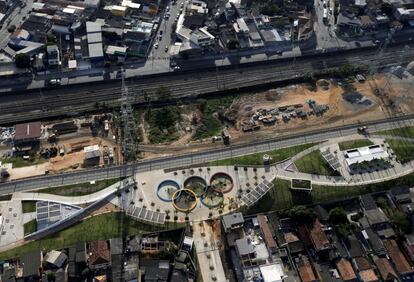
<point x="20" y="162"/>
<point x="256" y="159"/>
<point x="79" y="189"/>
<point x="30" y="227"/>
<point x="314" y="163"/>
<point x="346" y="145"/>
<point x="402" y="131"/>
<point x="28" y="206"/>
<point x="104" y="226"/>
<point x="404" y="151"/>
<point x="280" y="197"/>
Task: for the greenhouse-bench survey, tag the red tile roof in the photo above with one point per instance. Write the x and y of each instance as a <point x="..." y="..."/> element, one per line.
<point x="362" y="263"/>
<point x="318" y="237"/>
<point x="267" y="233"/>
<point x="385" y="269"/>
<point x="304" y="235"/>
<point x="290" y="237"/>
<point x="397" y="257"/>
<point x="368" y="276"/>
<point x="100" y="253"/>
<point x="305" y="270"/>
<point x="345" y="270"/>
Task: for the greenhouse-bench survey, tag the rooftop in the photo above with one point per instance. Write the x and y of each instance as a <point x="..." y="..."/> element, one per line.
<point x="363" y="154"/>
<point x="272" y="272"/>
<point x="376" y="216"/>
<point x="100" y="253"/>
<point x="318" y="237"/>
<point x="30" y="263"/>
<point x="397" y="257"/>
<point x="385" y="269"/>
<point x="345" y="270"/>
<point x="305" y="270"/>
<point x="230" y="220"/>
<point x="31" y="130"/>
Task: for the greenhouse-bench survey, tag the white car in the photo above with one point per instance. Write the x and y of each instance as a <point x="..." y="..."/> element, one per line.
<point x="156" y="45"/>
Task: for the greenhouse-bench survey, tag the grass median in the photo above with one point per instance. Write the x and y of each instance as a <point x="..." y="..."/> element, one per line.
<point x="257" y="158"/>
<point x="352" y="144"/>
<point x="79" y="189"/>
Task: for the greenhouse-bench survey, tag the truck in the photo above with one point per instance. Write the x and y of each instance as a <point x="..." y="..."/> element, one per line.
<point x="226" y="136"/>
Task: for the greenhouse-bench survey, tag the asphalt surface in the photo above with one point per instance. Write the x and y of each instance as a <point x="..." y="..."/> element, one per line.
<point x="34" y="105"/>
<point x="184" y="160"/>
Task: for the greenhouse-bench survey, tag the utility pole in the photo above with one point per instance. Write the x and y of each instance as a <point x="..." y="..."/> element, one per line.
<point x="129" y="128"/>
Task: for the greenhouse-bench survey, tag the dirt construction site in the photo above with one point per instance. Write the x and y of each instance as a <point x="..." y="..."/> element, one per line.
<point x="304" y="107"/>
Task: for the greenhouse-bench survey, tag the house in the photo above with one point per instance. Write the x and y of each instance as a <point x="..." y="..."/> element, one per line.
<point x="408" y="246"/>
<point x="232" y="221"/>
<point x="379" y="222"/>
<point x="368" y="276"/>
<point x="31" y="264"/>
<point x="267" y="233"/>
<point x="354" y="247"/>
<point x="55" y="259"/>
<point x="346" y="271"/>
<point x="305" y="270"/>
<point x="385" y="269"/>
<point x="318" y="237"/>
<point x="367" y="202"/>
<point x="403" y="267"/>
<point x="53" y="57"/>
<point x="401" y="194"/>
<point x="294" y="244"/>
<point x="373" y="242"/>
<point x="153" y="270"/>
<point x="100" y="256"/>
<point x="251" y="254"/>
<point x="273" y="272"/>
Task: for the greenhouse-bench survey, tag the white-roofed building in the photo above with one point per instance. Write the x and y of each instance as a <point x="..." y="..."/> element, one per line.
<point x="365" y="154"/>
<point x="273" y="272"/>
<point x="94" y="38"/>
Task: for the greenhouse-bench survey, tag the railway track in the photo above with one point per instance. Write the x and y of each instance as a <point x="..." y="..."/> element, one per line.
<point x="78" y="99"/>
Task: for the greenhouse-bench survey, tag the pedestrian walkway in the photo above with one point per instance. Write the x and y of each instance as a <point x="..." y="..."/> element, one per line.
<point x="75" y="200"/>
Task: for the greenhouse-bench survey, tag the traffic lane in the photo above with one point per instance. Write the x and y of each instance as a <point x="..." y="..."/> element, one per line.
<point x="195" y="158"/>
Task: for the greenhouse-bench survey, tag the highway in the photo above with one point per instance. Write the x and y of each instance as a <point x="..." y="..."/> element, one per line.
<point x="34" y="105"/>
<point x="263" y="145"/>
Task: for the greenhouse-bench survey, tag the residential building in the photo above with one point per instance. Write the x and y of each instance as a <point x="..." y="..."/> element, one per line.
<point x="232" y="221"/>
<point x="305" y="270"/>
<point x="53" y="57"/>
<point x="100" y="255"/>
<point x="346" y="271"/>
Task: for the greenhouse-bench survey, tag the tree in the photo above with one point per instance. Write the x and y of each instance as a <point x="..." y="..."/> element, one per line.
<point x="387" y="9"/>
<point x="401" y="222"/>
<point x="165" y="117"/>
<point x="163" y="93"/>
<point x="302" y="214"/>
<point x="337" y="216"/>
<point x="22" y="60"/>
<point x="232" y="44"/>
<point x="51" y="277"/>
<point x="11" y="28"/>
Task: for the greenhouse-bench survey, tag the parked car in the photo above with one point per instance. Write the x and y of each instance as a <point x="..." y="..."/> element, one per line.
<point x="54" y="82"/>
